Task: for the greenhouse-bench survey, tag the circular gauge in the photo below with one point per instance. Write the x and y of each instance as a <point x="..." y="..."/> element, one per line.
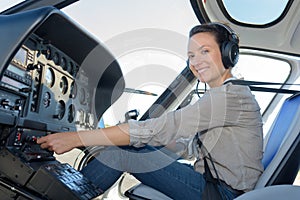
<point x="56" y="58"/>
<point x="74" y="70"/>
<point x="70" y="67"/>
<point x="71" y="113"/>
<point x="73" y="90"/>
<point x="49" y="77"/>
<point x="60" y="110"/>
<point x="63" y="63"/>
<point x="47" y="52"/>
<point x="81" y="96"/>
<point x="46" y="99"/>
<point x="63" y="85"/>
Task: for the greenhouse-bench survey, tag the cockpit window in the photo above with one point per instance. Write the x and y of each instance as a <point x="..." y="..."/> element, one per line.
<point x="5" y="4"/>
<point x="266" y="11"/>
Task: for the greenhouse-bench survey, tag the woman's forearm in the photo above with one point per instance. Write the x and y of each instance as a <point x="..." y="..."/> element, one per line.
<point x="115" y="135"/>
<point x="66" y="141"/>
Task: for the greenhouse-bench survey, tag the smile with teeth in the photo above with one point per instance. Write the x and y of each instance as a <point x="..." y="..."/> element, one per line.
<point x="202" y="70"/>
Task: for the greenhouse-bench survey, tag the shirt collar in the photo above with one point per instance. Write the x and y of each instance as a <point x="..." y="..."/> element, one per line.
<point x="229" y="79"/>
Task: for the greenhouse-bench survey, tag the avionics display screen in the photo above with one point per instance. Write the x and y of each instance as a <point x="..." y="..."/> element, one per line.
<point x="16" y="70"/>
<point x="12" y="82"/>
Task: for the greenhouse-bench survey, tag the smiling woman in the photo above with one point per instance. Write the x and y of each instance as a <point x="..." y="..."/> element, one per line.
<point x="149" y="40"/>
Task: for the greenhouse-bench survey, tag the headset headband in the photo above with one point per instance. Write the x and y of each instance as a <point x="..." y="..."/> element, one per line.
<point x="232" y="35"/>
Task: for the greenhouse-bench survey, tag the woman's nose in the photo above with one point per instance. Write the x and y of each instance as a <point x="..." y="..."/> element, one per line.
<point x="197" y="60"/>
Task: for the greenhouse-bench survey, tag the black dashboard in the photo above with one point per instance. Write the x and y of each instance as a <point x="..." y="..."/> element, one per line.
<point x="54" y="77"/>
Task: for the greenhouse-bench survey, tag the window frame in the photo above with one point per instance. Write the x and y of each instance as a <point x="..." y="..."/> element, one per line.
<point x="229" y="17"/>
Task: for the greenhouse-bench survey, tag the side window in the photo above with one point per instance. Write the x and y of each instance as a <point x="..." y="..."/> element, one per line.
<point x="242" y="11"/>
<point x="258" y="68"/>
<point x="267" y="69"/>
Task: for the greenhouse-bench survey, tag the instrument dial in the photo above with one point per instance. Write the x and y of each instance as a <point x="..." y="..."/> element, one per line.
<point x="63" y="63"/>
<point x="60" y="110"/>
<point x="56" y="58"/>
<point x="49" y="77"/>
<point x="73" y="90"/>
<point x="47" y="52"/>
<point x="71" y="67"/>
<point x="63" y="85"/>
<point x="71" y="113"/>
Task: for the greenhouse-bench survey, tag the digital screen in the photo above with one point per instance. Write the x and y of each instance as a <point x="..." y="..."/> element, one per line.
<point x="12" y="82"/>
<point x="16" y="70"/>
<point x="21" y="56"/>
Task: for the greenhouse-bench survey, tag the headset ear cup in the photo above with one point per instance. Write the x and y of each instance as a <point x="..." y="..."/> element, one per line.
<point x="235" y="53"/>
<point x="230" y="54"/>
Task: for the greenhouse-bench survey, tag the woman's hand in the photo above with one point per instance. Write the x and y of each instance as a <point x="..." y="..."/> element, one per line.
<point x="60" y="142"/>
<point x="66" y="141"/>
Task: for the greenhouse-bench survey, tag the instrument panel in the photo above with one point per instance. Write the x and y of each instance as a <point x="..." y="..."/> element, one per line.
<point x="46" y="83"/>
<point x="54" y="77"/>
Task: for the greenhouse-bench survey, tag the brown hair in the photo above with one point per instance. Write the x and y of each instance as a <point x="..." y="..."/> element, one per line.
<point x="221" y="32"/>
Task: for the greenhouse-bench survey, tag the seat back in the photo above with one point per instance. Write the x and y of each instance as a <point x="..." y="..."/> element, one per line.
<point x="276" y="192"/>
<point x="282" y="152"/>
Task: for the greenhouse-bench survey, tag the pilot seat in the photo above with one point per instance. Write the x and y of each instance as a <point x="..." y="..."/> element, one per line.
<point x="281" y="160"/>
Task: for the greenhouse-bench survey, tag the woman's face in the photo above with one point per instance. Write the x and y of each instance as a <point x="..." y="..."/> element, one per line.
<point x="205" y="59"/>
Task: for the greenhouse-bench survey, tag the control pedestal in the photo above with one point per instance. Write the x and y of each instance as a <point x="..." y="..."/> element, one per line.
<point x="49" y="180"/>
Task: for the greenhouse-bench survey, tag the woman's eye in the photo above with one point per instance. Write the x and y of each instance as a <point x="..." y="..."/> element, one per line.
<point x="204" y="51"/>
<point x="191" y="56"/>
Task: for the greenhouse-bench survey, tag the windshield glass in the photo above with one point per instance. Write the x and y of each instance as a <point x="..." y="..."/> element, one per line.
<point x="148" y="40"/>
<point x="5" y="4"/>
<point x="266" y="11"/>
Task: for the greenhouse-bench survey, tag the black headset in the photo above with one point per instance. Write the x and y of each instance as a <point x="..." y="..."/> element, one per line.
<point x="230" y="48"/>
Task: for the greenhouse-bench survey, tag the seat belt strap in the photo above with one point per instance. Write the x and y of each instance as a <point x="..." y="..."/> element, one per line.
<point x="264" y="89"/>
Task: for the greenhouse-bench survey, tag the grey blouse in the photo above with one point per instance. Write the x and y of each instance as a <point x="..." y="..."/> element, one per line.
<point x="230" y="120"/>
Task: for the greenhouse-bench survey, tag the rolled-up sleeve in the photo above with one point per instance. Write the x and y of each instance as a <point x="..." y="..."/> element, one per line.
<point x="230" y="116"/>
<point x="184" y="122"/>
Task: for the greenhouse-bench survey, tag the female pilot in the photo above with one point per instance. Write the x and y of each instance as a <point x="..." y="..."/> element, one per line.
<point x="227" y="119"/>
